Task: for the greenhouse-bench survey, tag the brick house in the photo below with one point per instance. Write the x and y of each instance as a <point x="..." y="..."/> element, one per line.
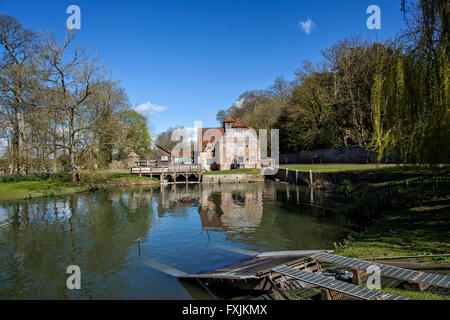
<point x="232" y="146"/>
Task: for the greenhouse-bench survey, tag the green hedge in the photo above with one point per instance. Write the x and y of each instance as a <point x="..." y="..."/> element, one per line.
<point x="29" y="177"/>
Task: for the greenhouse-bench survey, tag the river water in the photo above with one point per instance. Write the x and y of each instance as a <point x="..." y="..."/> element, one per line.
<point x="112" y="234"/>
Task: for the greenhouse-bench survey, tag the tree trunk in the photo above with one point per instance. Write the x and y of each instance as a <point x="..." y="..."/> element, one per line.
<point x="73" y="174"/>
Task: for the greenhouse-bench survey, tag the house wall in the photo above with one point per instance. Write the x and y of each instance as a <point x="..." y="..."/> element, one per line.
<point x="163" y="158"/>
<point x="242" y="146"/>
<point x="132" y="161"/>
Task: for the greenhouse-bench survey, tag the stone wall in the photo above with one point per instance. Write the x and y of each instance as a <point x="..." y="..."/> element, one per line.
<point x="302" y="177"/>
<point x="227" y="178"/>
<point x="354" y="154"/>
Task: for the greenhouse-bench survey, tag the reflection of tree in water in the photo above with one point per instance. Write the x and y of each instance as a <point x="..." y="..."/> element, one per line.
<point x="292" y="222"/>
<point x="97" y="232"/>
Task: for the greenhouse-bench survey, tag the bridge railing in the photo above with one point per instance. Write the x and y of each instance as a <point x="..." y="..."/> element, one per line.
<point x="190" y="168"/>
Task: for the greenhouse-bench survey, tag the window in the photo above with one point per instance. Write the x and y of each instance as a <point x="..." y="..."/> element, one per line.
<point x="164" y="158"/>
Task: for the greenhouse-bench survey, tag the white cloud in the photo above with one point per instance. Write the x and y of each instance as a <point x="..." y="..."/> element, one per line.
<point x="307" y="25"/>
<point x="188" y="134"/>
<point x="149" y="108"/>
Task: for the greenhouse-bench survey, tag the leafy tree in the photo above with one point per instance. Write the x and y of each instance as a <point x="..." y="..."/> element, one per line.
<point x="134" y="135"/>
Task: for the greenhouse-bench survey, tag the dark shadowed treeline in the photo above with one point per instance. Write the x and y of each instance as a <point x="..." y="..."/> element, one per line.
<point x="58" y="107"/>
<point x="391" y="97"/>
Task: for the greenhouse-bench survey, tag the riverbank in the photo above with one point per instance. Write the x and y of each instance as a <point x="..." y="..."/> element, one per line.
<point x="235" y="171"/>
<point x="322" y="175"/>
<point x="370" y="168"/>
<point x="57" y="185"/>
<point x="420" y="230"/>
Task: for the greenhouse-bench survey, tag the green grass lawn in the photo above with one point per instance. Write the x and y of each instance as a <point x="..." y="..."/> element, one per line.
<point x="381" y="168"/>
<point x="34" y="189"/>
<point x="237" y="171"/>
<point x="55" y="186"/>
<point x="420" y="230"/>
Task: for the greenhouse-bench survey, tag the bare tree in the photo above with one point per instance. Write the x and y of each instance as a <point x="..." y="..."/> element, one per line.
<point x="18" y="50"/>
<point x="72" y="77"/>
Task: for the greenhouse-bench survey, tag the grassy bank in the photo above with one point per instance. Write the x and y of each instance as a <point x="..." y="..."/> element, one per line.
<point x="23" y="187"/>
<point x="374" y="168"/>
<point x="237" y="171"/>
<point x="35" y="189"/>
<point x="420" y="230"/>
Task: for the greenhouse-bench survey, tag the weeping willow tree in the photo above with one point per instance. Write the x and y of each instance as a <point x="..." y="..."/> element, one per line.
<point x="410" y="95"/>
<point x="381" y="135"/>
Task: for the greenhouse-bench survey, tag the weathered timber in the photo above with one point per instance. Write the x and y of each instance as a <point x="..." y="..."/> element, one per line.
<point x="406" y="275"/>
<point x="171" y="174"/>
<point x="335" y="288"/>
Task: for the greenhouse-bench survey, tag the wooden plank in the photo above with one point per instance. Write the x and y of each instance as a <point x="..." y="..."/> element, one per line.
<point x="335" y="285"/>
<point x="291" y="253"/>
<point x="165" y="268"/>
<point x="238" y="250"/>
<point x="407" y="275"/>
<point x="228" y="276"/>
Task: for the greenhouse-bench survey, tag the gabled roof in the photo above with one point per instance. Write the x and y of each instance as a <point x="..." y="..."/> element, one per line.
<point x="132" y="155"/>
<point x="239" y="124"/>
<point x="159" y="147"/>
<point x="229" y="119"/>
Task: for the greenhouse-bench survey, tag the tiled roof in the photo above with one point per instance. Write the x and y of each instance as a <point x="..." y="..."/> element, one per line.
<point x="239" y="124"/>
<point x="229" y="120"/>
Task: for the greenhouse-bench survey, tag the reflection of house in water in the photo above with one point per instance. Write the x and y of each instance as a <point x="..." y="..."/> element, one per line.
<point x="234" y="210"/>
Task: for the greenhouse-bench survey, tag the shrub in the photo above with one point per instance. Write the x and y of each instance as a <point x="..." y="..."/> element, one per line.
<point x="92" y="178"/>
<point x="28" y="177"/>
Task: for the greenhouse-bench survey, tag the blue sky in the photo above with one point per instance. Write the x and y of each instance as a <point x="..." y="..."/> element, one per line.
<point x="184" y="60"/>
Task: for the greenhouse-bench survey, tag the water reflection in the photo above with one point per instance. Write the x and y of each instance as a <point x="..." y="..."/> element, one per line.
<point x="110" y="235"/>
<point x="232" y="208"/>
